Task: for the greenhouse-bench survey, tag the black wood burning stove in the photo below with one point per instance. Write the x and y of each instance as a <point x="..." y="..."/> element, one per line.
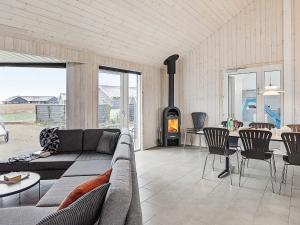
<point x="171" y="114"/>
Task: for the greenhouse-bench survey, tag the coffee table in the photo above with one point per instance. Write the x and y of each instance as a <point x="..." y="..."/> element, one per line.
<point x="11" y="189"/>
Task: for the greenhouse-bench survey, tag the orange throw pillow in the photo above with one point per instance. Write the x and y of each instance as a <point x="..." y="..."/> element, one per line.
<point x="85" y="188"/>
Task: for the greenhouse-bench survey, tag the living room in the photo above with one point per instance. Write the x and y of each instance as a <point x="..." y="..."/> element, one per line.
<point x="184" y="112"/>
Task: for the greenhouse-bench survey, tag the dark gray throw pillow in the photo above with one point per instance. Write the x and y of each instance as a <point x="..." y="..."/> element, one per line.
<point x="85" y="210"/>
<point x="108" y="142"/>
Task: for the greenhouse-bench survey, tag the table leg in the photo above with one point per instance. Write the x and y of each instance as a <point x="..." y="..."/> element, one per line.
<point x="39" y="190"/>
<point x="225" y="172"/>
<point x="19" y="198"/>
<point x="200" y="142"/>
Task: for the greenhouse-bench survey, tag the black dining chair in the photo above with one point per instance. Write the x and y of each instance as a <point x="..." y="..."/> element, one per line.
<point x="198" y="119"/>
<point x="291" y="142"/>
<point x="216" y="139"/>
<point x="258" y="125"/>
<point x="256" y="146"/>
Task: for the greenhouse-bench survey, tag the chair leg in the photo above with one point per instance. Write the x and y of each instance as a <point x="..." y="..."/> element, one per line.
<point x="230" y="170"/>
<point x="191" y="139"/>
<point x="213" y="164"/>
<point x="274" y="167"/>
<point x="220" y="159"/>
<point x="184" y="139"/>
<point x="204" y="165"/>
<point x="271" y="175"/>
<point x="200" y="142"/>
<point x="274" y="164"/>
<point x="244" y="165"/>
<point x="248" y="163"/>
<point x="282" y="177"/>
<point x="241" y="169"/>
<point x="286" y="170"/>
<point x="238" y="161"/>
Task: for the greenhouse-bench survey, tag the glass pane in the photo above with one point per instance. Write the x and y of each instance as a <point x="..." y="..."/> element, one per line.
<point x="173" y="125"/>
<point x="242" y="97"/>
<point x="30" y="100"/>
<point x="109" y="100"/>
<point x="133" y="108"/>
<point x="272" y="105"/>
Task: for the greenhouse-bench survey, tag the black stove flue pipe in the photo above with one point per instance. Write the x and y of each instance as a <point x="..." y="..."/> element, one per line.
<point x="170" y="62"/>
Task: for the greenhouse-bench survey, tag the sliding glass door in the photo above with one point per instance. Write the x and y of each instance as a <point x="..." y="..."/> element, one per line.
<point x="110" y="108"/>
<point x="242" y="97"/>
<point x="119" y="102"/>
<point x="272" y="103"/>
<point x="245" y="97"/>
<point x="134" y="108"/>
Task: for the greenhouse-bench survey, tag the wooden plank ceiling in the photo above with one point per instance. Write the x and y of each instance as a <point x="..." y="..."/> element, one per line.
<point x="13" y="57"/>
<point x="144" y="31"/>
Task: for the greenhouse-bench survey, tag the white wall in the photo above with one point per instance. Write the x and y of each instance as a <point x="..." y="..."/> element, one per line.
<point x="82" y="80"/>
<point x="296" y="62"/>
<point x="252" y="38"/>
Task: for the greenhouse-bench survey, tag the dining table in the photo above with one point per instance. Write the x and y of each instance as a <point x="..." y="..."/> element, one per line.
<point x="225" y="172"/>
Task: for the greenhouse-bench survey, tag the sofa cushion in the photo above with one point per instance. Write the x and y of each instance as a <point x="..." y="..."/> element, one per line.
<point x="60" y="161"/>
<point x="5" y="166"/>
<point x="70" y="140"/>
<point x="91" y="138"/>
<point x="125" y="138"/>
<point x="134" y="216"/>
<point x="108" y="142"/>
<point x="60" y="190"/>
<point x="88" y="168"/>
<point x="92" y="155"/>
<point x="122" y="152"/>
<point x="27" y="215"/>
<point x="83" y="211"/>
<point x="84" y="188"/>
<point x="50" y="174"/>
<point x="118" y="197"/>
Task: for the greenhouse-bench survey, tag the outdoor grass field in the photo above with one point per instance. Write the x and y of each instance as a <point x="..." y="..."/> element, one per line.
<point x="17" y="113"/>
<point x="18" y="117"/>
<point x="24" y="131"/>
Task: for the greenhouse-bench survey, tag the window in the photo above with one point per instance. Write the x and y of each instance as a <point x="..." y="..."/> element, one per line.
<point x="272" y="107"/>
<point x="31" y="98"/>
<point x="245" y="97"/>
<point x="242" y="97"/>
<point x="119" y="102"/>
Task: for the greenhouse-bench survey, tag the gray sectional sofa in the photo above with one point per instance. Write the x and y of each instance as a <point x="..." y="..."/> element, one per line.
<point x="76" y="162"/>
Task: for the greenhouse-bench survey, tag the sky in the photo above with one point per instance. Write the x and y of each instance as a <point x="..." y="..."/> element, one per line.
<point x="29" y="81"/>
<point x="113" y="78"/>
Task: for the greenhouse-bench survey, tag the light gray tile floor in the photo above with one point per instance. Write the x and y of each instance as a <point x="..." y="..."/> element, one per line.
<point x="173" y="193"/>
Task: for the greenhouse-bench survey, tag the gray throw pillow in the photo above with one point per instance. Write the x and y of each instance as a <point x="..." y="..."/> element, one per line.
<point x="108" y="142"/>
<point x="85" y="210"/>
